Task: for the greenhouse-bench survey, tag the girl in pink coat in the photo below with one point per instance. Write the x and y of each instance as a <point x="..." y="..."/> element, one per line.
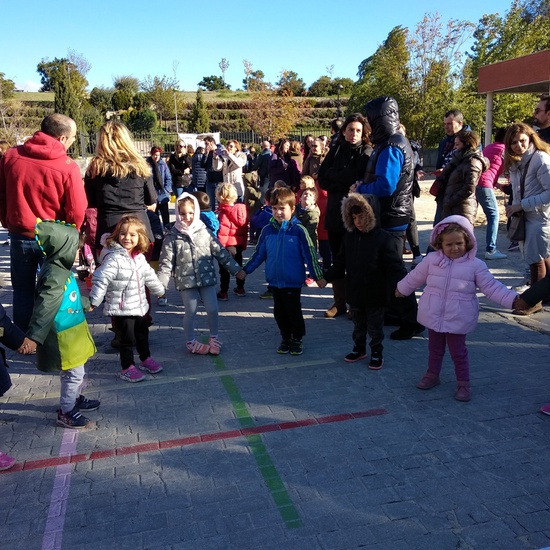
<point x="449" y="307"/>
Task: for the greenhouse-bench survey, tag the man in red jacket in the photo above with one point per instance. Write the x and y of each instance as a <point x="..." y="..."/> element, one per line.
<point x="38" y="180"/>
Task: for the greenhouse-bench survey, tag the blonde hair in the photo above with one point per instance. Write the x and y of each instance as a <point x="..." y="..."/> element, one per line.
<point x="307" y="182"/>
<point x="226" y="193"/>
<point x="520" y="128"/>
<point x="116" y="154"/>
<point x="143" y="240"/>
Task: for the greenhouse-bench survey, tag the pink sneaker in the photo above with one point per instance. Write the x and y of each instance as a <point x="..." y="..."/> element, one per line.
<point x="131" y="374"/>
<point x="151" y="366"/>
<point x="197" y="347"/>
<point x="545" y="409"/>
<point x="6" y="461"/>
<point x="214" y="345"/>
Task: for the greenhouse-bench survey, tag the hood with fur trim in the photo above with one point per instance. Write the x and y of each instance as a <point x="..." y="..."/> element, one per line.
<point x="464" y="223"/>
<point x="368" y="205"/>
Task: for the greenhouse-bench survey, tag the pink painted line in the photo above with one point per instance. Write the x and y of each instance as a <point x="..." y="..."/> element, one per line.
<point x="65" y="460"/>
<point x="53" y="531"/>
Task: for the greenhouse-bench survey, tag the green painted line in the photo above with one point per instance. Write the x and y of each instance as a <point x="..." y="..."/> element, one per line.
<point x="272" y="480"/>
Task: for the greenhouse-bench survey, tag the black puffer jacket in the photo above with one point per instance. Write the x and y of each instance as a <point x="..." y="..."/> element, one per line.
<point x="370" y="260"/>
<point x="342" y="167"/>
<point x="383" y="116"/>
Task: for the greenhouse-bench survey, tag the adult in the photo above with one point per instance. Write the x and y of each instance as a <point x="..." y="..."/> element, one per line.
<point x="118" y="181"/>
<point x="180" y="165"/>
<point x="485" y="194"/>
<point x="295" y="152"/>
<point x="460" y="177"/>
<point x="343" y="166"/>
<point x="307" y="145"/>
<point x="541" y="115"/>
<point x="213" y="177"/>
<point x="527" y="158"/>
<point x="282" y="167"/>
<point x="163" y="183"/>
<point x="37" y="180"/>
<point x="262" y="166"/>
<point x="230" y="162"/>
<point x="335" y="125"/>
<point x="389" y="176"/>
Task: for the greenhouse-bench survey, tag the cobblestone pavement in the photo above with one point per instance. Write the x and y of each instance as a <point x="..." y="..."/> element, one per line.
<point x="256" y="450"/>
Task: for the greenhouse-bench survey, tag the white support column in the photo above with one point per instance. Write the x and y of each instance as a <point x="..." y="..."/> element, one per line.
<point x="489" y="118"/>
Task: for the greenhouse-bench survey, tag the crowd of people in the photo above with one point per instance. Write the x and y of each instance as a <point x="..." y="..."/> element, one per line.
<point x="338" y="211"/>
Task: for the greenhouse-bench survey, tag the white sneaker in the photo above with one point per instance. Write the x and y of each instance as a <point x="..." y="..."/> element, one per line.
<point x="495" y="255"/>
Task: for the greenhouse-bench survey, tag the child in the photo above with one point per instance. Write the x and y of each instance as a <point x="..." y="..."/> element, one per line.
<point x="121" y="279"/>
<point x="233" y="233"/>
<point x="257" y="223"/>
<point x="449" y="306"/>
<point x="208" y="217"/>
<point x="370" y="259"/>
<point x="308" y="215"/>
<point x="12" y="337"/>
<point x="188" y="254"/>
<point x="285" y="247"/>
<point x="58" y="323"/>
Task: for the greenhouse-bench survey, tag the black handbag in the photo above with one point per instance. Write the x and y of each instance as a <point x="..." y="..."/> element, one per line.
<point x="516" y="227"/>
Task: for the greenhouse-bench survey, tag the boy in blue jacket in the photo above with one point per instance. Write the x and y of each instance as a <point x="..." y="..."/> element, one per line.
<point x="285" y="246"/>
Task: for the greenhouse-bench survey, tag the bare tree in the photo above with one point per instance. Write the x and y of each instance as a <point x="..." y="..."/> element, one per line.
<point x="224" y="65"/>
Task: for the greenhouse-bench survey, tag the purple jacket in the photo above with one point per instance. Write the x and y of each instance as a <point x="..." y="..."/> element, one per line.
<point x="449" y="302"/>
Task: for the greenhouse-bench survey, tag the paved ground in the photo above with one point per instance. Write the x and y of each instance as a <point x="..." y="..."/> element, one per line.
<point x="257" y="450"/>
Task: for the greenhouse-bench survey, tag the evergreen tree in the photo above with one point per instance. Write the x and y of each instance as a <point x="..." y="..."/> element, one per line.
<point x="199" y="121"/>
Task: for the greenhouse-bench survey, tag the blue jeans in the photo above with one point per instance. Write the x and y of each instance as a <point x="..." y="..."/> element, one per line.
<point x="25" y="257"/>
<point x="485" y="197"/>
<point x="211" y="192"/>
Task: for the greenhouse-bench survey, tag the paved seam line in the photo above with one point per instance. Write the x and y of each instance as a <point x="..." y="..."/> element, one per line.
<point x="53" y="531"/>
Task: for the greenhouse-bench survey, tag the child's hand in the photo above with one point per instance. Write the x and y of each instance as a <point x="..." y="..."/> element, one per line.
<point x="520" y="304"/>
<point x="241" y="275"/>
<point x="28" y="346"/>
<point x="398" y="294"/>
<point x="321" y="283"/>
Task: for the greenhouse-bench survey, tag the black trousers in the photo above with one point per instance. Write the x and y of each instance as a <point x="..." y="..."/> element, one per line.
<point x="225" y="276"/>
<point x="287" y="309"/>
<point x="132" y="331"/>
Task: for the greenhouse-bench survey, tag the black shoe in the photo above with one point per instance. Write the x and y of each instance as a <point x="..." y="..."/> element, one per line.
<point x="355" y="355"/>
<point x="72" y="419"/>
<point x="376" y="361"/>
<point x="284" y="346"/>
<point x="407" y="332"/>
<point x="296" y="347"/>
<point x="83" y="404"/>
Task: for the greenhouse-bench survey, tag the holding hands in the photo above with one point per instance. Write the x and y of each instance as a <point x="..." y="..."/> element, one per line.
<point x="28" y="346"/>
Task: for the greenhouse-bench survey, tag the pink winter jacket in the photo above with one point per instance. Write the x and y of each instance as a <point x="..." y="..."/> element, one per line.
<point x="449" y="302"/>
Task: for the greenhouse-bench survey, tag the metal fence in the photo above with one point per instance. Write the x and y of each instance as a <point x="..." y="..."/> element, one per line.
<point x="167" y="140"/>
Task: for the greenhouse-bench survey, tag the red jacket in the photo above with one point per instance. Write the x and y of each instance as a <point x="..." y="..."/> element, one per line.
<point x="39" y="180"/>
<point x="233" y="224"/>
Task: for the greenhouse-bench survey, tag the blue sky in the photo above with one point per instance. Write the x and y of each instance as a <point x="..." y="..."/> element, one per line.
<point x="122" y="37"/>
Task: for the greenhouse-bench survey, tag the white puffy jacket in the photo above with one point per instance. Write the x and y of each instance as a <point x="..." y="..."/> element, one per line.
<point x="121" y="281"/>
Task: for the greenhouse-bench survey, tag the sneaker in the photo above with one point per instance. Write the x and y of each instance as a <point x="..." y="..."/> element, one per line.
<point x="222" y="296"/>
<point x="163" y="301"/>
<point x="406" y="333"/>
<point x="310" y="282"/>
<point x="495" y="255"/>
<point x="545" y="409"/>
<point x="284" y="346"/>
<point x="267" y="295"/>
<point x="376" y="360"/>
<point x="214" y="345"/>
<point x="197" y="347"/>
<point x="355" y="355"/>
<point x="428" y="381"/>
<point x="73" y="419"/>
<point x="462" y="391"/>
<point x="84" y="404"/>
<point x="513" y="246"/>
<point x="529" y="311"/>
<point x="239" y="292"/>
<point x="6" y="461"/>
<point x="131" y="374"/>
<point x="296" y="347"/>
<point x="151" y="366"/>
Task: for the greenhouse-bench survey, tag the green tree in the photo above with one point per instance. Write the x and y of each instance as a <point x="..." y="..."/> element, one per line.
<point x="75" y="65"/>
<point x="101" y="99"/>
<point x="126" y="82"/>
<point x="346" y="86"/>
<point x="290" y="84"/>
<point x="7" y="87"/>
<point x="322" y="87"/>
<point x="213" y="83"/>
<point x="92" y="118"/>
<point x="199" y="121"/>
<point x="160" y="91"/>
<point x="66" y="99"/>
<point x="140" y="121"/>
